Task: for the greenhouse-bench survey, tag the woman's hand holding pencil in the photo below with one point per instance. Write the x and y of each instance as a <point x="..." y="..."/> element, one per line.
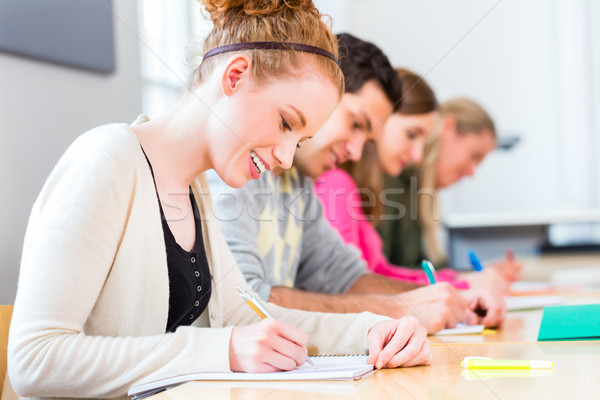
<point x="268" y="346"/>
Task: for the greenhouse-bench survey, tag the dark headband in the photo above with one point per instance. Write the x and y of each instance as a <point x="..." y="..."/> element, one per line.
<point x="306" y="48"/>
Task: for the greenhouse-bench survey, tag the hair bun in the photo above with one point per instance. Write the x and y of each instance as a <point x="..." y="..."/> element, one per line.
<point x="272" y="21"/>
<point x="218" y="8"/>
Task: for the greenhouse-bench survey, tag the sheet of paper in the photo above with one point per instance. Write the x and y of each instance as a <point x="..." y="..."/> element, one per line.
<point x="514" y="303"/>
<point x="462" y="329"/>
<point x="531" y="287"/>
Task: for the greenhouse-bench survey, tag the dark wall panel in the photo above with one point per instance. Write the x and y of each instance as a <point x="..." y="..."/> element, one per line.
<point x="78" y="33"/>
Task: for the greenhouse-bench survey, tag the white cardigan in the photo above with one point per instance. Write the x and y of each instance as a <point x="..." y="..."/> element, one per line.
<point x="93" y="296"/>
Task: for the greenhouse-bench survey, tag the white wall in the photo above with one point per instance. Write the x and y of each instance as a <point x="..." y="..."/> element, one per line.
<point x="530" y="64"/>
<point x="43" y="108"/>
<point x="594" y="23"/>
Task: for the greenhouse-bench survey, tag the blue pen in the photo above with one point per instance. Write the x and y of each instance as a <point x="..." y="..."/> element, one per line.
<point x="429" y="270"/>
<point x="475" y="263"/>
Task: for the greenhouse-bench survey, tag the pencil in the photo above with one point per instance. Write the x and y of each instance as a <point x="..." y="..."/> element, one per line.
<point x="258" y="308"/>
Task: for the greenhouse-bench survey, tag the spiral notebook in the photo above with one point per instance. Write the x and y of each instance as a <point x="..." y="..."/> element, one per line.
<point x="326" y="368"/>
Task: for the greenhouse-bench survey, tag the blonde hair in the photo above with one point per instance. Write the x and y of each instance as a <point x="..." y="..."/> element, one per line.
<point x="240" y="21"/>
<point x="470" y="118"/>
<point x="417" y="98"/>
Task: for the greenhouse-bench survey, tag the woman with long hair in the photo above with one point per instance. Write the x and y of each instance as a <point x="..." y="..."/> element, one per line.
<point x="125" y="275"/>
<point x="465" y="135"/>
<point x="360" y="194"/>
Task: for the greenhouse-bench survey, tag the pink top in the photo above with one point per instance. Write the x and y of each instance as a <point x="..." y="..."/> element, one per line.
<point x="342" y="207"/>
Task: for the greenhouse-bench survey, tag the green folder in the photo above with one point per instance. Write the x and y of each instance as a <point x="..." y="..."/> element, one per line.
<point x="570" y="323"/>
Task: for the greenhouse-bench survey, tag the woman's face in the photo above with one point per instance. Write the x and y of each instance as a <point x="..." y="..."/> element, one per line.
<point x="460" y="154"/>
<point x="345" y="132"/>
<point x="401" y="140"/>
<point x="263" y="123"/>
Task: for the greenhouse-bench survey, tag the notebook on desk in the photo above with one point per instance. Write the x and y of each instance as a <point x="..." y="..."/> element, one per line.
<point x="581" y="322"/>
<point x="326" y="368"/>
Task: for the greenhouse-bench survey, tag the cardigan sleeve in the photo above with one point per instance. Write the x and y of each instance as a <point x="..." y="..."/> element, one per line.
<point x="73" y="237"/>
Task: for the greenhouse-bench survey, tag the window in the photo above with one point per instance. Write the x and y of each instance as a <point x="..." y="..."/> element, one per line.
<point x="166" y="28"/>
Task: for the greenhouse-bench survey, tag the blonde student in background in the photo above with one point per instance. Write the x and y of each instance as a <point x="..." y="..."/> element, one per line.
<point x="125" y="274"/>
<point x="284" y="245"/>
<point x="465" y="136"/>
<point x="352" y="194"/>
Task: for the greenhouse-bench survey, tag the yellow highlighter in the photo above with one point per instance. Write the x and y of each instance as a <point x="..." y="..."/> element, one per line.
<point x="262" y="312"/>
<point x="490" y="363"/>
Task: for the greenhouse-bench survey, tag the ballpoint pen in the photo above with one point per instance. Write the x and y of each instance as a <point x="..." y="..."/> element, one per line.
<point x="429" y="270"/>
<point x="262" y="312"/>
<point x="474" y="260"/>
<point x="486" y="362"/>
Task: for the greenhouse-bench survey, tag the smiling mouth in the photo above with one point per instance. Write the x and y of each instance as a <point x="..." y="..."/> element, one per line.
<point x="258" y="164"/>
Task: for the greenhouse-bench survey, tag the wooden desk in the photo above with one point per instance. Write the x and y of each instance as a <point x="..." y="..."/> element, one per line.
<point x="574" y="376"/>
<point x="577" y="367"/>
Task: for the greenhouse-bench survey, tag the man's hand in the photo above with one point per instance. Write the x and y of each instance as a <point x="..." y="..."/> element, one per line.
<point x="488" y="305"/>
<point x="436" y="307"/>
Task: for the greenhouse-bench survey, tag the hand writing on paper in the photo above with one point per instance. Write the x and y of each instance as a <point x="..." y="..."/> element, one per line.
<point x="398" y="343"/>
<point x="436" y="306"/>
<point x="488" y="304"/>
<point x="267" y="346"/>
<point x="510" y="269"/>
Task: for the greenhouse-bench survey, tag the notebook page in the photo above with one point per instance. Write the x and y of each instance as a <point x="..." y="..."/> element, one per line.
<point x="326" y="368"/>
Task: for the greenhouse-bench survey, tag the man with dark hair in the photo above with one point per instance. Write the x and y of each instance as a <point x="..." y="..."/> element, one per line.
<point x="361" y="62"/>
<point x="285" y="247"/>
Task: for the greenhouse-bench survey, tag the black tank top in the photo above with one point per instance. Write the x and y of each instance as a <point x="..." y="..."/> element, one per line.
<point x="189" y="274"/>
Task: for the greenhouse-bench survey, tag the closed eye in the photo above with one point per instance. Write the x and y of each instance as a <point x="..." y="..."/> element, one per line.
<point x="285" y="126"/>
<point x="361" y="122"/>
<point x="358" y="126"/>
<point x="412" y="134"/>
